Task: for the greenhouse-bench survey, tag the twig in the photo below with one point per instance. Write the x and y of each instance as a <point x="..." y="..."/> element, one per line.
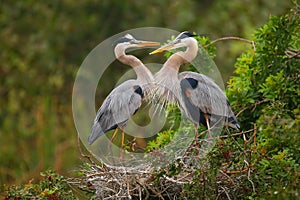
<point x="226" y="193"/>
<point x="254" y="105"/>
<point x="254" y="135"/>
<point x="158" y="194"/>
<point x="228" y="178"/>
<point x="234" y="134"/>
<point x="147" y="192"/>
<point x="232" y="38"/>
<point x="81" y="152"/>
<point x="227" y="136"/>
<point x="291" y="54"/>
<point x="245" y="142"/>
<point x="128" y="186"/>
<point x="175" y="181"/>
<point x="235" y="172"/>
<point x="248" y="176"/>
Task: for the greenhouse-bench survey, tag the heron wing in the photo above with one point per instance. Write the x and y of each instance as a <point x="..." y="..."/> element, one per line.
<point x="203" y="93"/>
<point x="117" y="108"/>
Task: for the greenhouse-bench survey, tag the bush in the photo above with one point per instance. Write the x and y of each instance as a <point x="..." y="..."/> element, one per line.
<point x="52" y="186"/>
<point x="262" y="165"/>
<point x="266" y="88"/>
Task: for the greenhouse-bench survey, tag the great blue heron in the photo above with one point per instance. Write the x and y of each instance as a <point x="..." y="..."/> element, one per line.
<point x="198" y="96"/>
<point x="125" y="99"/>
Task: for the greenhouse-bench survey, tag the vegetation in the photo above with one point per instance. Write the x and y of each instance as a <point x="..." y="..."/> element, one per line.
<point x="261" y="162"/>
<point x="266" y="90"/>
<point x="37" y="71"/>
<point x="53" y="186"/>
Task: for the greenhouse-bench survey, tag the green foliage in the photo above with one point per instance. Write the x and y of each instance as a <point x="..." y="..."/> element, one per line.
<point x="205" y="42"/>
<point x="222" y="174"/>
<point x="36" y="80"/>
<point x="269" y="73"/>
<point x="164" y="137"/>
<point x="269" y="97"/>
<point x="161" y="140"/>
<point x="265" y="89"/>
<point x="52" y="186"/>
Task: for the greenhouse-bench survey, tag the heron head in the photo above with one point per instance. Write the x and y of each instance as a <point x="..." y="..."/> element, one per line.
<point x="128" y="41"/>
<point x="180" y="41"/>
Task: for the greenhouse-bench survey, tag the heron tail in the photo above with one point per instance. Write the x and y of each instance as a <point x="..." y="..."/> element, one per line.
<point x="95" y="133"/>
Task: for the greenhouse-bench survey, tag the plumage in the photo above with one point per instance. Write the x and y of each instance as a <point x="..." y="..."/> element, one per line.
<point x="198" y="96"/>
<point x="207" y="97"/>
<point x="138" y="90"/>
<point x="125" y="99"/>
<point x="116" y="109"/>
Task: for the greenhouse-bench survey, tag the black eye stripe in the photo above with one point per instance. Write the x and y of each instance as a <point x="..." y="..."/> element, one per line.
<point x="122" y="40"/>
<point x="185" y="35"/>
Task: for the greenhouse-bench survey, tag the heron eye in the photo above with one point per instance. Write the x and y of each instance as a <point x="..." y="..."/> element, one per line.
<point x="178" y="41"/>
<point x="133" y="41"/>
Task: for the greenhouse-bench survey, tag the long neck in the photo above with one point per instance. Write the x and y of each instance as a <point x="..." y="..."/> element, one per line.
<point x="143" y="73"/>
<point x="181" y="57"/>
<point x="166" y="79"/>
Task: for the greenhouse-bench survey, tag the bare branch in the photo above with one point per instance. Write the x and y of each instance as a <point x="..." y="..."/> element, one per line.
<point x="81" y="152"/>
<point x="250" y="106"/>
<point x="292" y="54"/>
<point x="228" y="177"/>
<point x="232" y="38"/>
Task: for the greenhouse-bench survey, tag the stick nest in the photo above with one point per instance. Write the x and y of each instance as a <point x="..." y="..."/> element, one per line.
<point x="145" y="182"/>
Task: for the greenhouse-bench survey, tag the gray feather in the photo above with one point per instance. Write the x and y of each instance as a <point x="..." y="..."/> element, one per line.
<point x="116" y="109"/>
<point x="209" y="98"/>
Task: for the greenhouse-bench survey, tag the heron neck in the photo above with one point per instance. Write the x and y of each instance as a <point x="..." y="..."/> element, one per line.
<point x="181" y="57"/>
<point x="166" y="79"/>
<point x="142" y="72"/>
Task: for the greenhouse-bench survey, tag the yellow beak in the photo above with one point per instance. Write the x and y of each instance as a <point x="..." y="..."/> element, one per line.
<point x="162" y="49"/>
<point x="147" y="44"/>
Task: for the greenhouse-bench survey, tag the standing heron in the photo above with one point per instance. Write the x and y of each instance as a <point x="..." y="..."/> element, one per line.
<point x="125" y="99"/>
<point x="198" y="96"/>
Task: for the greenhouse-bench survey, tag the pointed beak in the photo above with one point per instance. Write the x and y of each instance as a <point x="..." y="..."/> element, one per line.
<point x="141" y="43"/>
<point x="166" y="47"/>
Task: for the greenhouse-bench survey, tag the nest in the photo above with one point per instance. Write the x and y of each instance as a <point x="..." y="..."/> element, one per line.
<point x="146" y="182"/>
<point x="117" y="183"/>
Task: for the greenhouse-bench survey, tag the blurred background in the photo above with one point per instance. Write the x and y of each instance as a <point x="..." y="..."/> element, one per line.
<point x="43" y="45"/>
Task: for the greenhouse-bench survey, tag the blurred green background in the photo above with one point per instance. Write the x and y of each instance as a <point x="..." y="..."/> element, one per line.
<point x="43" y="45"/>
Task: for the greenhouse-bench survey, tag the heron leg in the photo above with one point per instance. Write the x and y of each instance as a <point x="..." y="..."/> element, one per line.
<point x="122" y="149"/>
<point x="114" y="135"/>
<point x="196" y="134"/>
<point x="110" y="144"/>
<point x="197" y="138"/>
<point x="207" y="124"/>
